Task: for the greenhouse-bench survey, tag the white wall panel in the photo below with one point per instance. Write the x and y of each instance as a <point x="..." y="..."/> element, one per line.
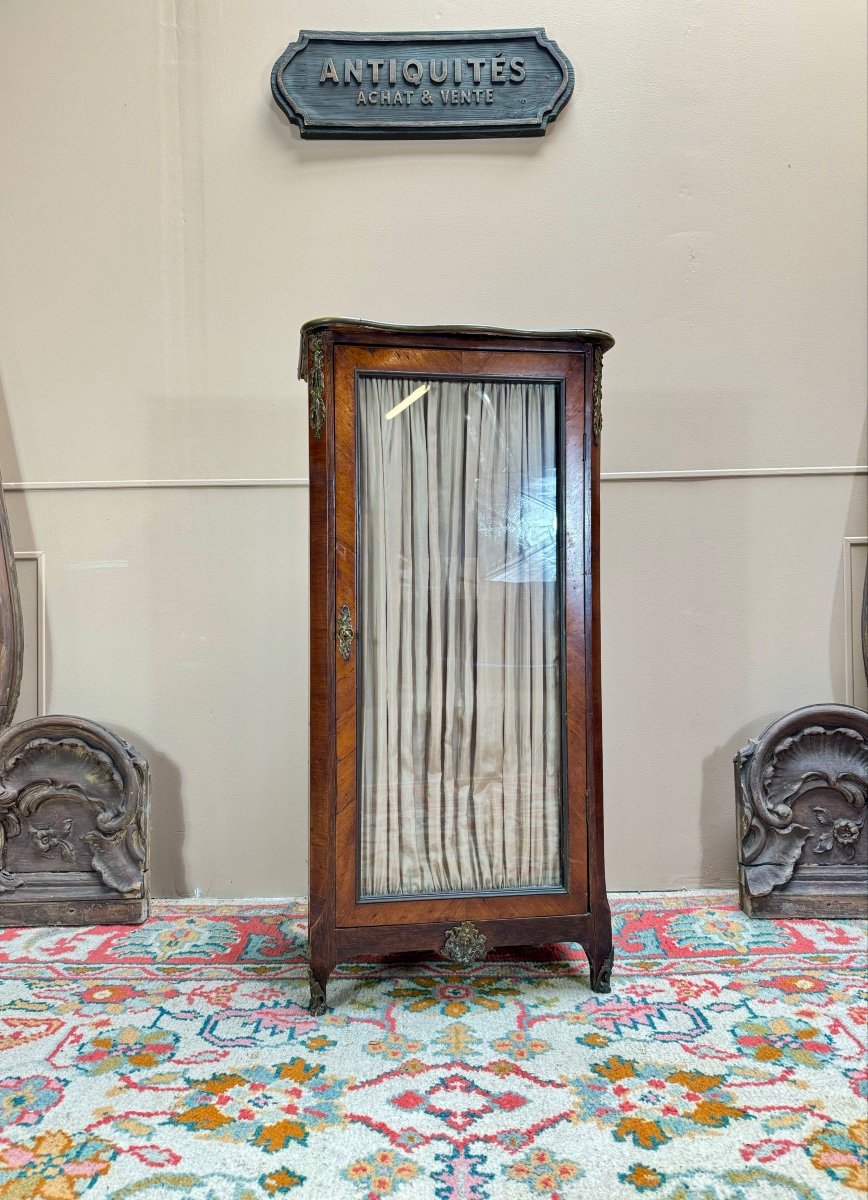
<point x="177" y="618"/>
<point x="29" y="567"/>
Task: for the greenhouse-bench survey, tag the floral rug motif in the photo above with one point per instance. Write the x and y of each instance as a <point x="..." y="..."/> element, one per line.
<point x="177" y="1061"/>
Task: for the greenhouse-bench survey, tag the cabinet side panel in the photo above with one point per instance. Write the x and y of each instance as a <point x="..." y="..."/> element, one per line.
<point x="576" y="474"/>
<point x="322" y="663"/>
<point x="346" y="848"/>
<point x="599" y="903"/>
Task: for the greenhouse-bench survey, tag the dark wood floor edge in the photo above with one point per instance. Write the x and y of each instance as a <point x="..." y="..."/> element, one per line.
<point x="30" y="913"/>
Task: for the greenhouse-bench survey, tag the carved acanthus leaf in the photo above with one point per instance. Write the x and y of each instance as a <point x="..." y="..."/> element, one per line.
<point x="114" y="863"/>
<point x="746" y="752"/>
<point x="777" y="860"/>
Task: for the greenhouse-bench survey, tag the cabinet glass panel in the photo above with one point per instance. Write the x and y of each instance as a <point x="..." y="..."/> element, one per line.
<point x="459" y="639"/>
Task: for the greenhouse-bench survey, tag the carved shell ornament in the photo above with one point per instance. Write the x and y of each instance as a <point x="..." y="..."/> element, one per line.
<point x="817" y="758"/>
<point x="840" y="759"/>
<point x="794" y="757"/>
<point x="66" y="763"/>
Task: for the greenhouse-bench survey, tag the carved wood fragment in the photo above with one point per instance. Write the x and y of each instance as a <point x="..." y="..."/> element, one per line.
<point x="801" y="792"/>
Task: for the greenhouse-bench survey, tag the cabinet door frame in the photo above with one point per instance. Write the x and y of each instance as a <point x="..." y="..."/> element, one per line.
<point x="568" y="371"/>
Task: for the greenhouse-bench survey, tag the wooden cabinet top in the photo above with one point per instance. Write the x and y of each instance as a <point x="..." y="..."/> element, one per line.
<point x="380" y="333"/>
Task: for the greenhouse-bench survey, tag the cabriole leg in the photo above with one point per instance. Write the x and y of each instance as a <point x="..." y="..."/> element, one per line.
<point x="600" y="959"/>
<point x="318" y="993"/>
<point x="321" y="966"/>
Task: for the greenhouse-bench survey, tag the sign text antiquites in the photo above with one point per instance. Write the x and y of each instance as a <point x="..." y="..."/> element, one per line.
<point x="472" y="84"/>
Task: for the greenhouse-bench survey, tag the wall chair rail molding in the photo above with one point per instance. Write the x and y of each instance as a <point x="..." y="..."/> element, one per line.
<point x="730" y="473"/>
<point x="73" y="801"/>
<point x="107" y="485"/>
<point x="472" y="83"/>
<point x="85" y="485"/>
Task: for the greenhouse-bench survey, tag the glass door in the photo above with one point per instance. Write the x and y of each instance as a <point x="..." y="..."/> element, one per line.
<point x="459" y="653"/>
<point x="458" y="656"/>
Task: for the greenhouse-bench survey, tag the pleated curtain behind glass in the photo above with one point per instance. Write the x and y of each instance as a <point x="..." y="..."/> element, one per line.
<point x="459" y="667"/>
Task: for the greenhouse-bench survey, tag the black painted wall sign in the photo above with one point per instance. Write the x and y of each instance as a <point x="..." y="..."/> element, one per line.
<point x="475" y="83"/>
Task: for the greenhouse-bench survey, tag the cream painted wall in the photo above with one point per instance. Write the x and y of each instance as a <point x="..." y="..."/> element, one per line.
<point x="164" y="233"/>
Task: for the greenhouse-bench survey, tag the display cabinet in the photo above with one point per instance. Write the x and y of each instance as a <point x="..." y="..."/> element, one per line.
<point x="455" y="756"/>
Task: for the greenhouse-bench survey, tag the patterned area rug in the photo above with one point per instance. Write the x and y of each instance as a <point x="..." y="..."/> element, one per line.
<point x="178" y="1059"/>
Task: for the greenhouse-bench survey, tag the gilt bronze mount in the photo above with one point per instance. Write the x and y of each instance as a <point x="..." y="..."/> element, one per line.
<point x="464" y="944"/>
